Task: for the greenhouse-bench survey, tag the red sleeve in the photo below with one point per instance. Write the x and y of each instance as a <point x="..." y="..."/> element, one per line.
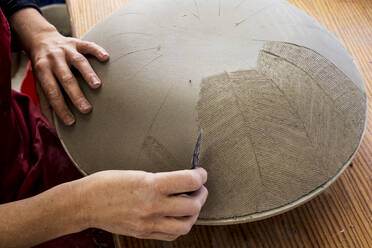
<point x="11" y="6"/>
<point x="5" y="89"/>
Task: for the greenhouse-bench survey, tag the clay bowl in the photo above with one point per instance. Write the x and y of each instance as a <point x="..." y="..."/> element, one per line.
<point x="281" y="102"/>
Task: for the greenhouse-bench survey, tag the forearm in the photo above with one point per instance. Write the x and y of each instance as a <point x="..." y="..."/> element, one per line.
<point x="29" y="25"/>
<point x="9" y="7"/>
<point x="49" y="215"/>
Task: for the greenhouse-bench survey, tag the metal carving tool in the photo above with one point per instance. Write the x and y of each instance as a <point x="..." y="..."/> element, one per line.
<point x="195" y="156"/>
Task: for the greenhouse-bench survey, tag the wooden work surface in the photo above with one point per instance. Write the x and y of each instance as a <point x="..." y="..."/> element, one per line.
<point x="342" y="215"/>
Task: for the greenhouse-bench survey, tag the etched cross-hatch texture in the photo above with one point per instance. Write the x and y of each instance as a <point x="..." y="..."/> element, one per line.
<point x="348" y="98"/>
<point x="274" y="134"/>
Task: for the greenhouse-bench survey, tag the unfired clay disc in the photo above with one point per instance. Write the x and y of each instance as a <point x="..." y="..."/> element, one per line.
<point x="280" y="101"/>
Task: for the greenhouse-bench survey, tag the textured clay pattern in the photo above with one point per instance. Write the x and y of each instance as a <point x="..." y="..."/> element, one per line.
<point x="274" y="134"/>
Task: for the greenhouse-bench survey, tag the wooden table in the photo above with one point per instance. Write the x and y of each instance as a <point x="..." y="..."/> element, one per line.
<point x="339" y="217"/>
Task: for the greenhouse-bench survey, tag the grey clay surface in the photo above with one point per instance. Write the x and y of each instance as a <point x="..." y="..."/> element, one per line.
<point x="281" y="103"/>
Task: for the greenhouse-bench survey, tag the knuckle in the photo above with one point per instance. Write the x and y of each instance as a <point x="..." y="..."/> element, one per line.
<point x="150" y="227"/>
<point x="86" y="44"/>
<point x="56" y="52"/>
<point x="145" y="229"/>
<point x="194" y="181"/>
<point x="67" y="79"/>
<point x="72" y="40"/>
<point x="40" y="64"/>
<point x="91" y="43"/>
<point x="170" y="238"/>
<point x="148" y="180"/>
<point x="77" y="58"/>
<point x="153" y="183"/>
<point x="156" y="184"/>
<point x="138" y="232"/>
<point x="141" y="235"/>
<point x="196" y="207"/>
<point x="149" y="210"/>
<point x="52" y="93"/>
<point x="151" y="206"/>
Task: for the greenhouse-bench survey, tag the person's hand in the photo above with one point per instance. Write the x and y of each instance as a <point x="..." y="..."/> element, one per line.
<point x="143" y="205"/>
<point x="52" y="56"/>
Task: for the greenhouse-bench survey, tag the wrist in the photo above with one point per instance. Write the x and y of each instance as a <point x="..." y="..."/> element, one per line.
<point x="39" y="41"/>
<point x="51" y="214"/>
<point x="31" y="28"/>
<point x="35" y="40"/>
<point x="79" y="205"/>
<point x="65" y="204"/>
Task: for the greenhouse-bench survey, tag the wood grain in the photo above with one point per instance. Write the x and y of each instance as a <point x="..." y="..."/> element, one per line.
<point x="342" y="215"/>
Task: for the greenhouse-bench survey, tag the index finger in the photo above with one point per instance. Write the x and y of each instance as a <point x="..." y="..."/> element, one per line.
<point x="180" y="181"/>
<point x="54" y="95"/>
<point x="87" y="47"/>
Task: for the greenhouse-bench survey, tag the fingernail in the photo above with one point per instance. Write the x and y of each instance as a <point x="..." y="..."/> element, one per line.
<point x="104" y="54"/>
<point x="85" y="106"/>
<point x="69" y="120"/>
<point x="95" y="81"/>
